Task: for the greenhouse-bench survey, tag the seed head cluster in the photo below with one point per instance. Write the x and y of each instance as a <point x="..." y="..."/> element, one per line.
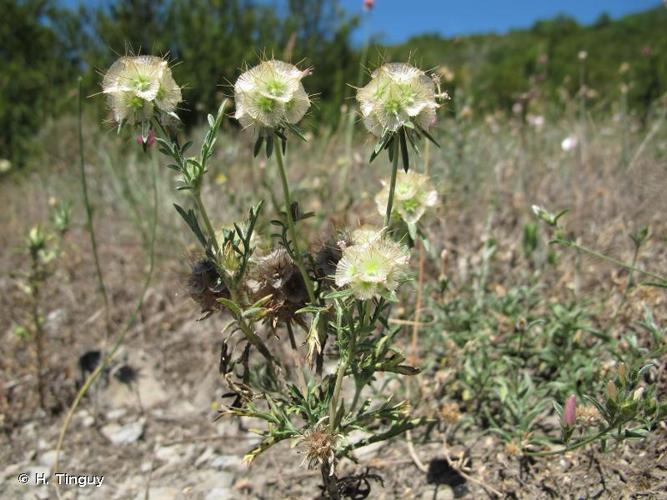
<point x="270" y="95"/>
<point x="320" y="447"/>
<point x="137" y="86"/>
<point x="414" y="194"/>
<point x="205" y="286"/>
<point x="374" y="268"/>
<point x="277" y="275"/>
<point x="397" y="95"/>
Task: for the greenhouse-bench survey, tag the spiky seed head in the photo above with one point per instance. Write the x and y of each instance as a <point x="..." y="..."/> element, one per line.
<point x="326" y="258"/>
<point x="398" y="94"/>
<point x="366" y="234"/>
<point x="277" y="275"/>
<point x="205" y="286"/>
<point x="414" y="194"/>
<point x="138" y="85"/>
<point x="320" y="445"/>
<point x="270" y="95"/>
<point x="373" y="269"/>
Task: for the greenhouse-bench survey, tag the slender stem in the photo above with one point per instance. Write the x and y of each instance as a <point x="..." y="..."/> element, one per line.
<point x="89" y="218"/>
<point x="39" y="334"/>
<point x="349" y="133"/>
<point x="130" y="323"/>
<point x="357" y="393"/>
<point x="392" y="183"/>
<point x="256" y="341"/>
<point x="418" y="305"/>
<point x="630" y="282"/>
<point x="196" y="196"/>
<point x="330" y="481"/>
<point x="342" y="368"/>
<point x="292" y="228"/>
<point x="612" y="260"/>
<point x="574" y="446"/>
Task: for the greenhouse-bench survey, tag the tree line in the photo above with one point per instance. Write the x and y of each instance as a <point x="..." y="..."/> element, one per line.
<point x="46" y="44"/>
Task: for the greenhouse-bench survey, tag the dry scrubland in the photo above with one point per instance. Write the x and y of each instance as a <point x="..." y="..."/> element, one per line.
<point x="482" y="278"/>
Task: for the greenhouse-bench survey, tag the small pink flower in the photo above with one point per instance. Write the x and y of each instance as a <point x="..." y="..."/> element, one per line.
<point x="570" y="411"/>
<point x="646" y="51"/>
<point x="369" y="4"/>
<point x="147" y="141"/>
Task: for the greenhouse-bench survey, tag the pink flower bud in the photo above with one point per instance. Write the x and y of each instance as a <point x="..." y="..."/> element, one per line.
<point x="369" y="4"/>
<point x="570" y="411"/>
<point x="149" y="140"/>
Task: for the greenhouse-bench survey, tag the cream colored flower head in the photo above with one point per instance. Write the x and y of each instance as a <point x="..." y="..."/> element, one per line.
<point x="137" y="86"/>
<point x="414" y="194"/>
<point x="374" y="269"/>
<point x="364" y="235"/>
<point x="398" y="94"/>
<point x="270" y="95"/>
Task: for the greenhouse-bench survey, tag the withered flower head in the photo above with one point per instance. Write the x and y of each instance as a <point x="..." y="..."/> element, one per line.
<point x="326" y="258"/>
<point x="206" y="287"/>
<point x="319" y="447"/>
<point x="276" y="274"/>
<point x="451" y="413"/>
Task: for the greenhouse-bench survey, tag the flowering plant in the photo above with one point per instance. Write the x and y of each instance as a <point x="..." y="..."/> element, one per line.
<point x="337" y="297"/>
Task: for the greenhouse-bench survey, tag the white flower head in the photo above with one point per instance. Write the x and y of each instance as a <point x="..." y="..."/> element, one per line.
<point x="398" y="94"/>
<point x="364" y="235"/>
<point x="271" y="95"/>
<point x="137" y="85"/>
<point x="374" y="269"/>
<point x="414" y="194"/>
<point x="5" y="165"/>
<point x="569" y="143"/>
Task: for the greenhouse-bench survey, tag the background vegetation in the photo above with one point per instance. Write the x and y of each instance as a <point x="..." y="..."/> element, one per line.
<point x="44" y="45"/>
<point x="502" y="323"/>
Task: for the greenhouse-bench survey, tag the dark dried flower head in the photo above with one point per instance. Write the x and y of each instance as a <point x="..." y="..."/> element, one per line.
<point x="206" y="287"/>
<point x="327" y="256"/>
<point x="276" y="275"/>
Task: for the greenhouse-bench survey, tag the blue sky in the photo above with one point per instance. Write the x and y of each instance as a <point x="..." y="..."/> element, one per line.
<point x="397" y="20"/>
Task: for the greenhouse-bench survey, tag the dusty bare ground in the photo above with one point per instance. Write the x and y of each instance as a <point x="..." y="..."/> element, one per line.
<point x="149" y="427"/>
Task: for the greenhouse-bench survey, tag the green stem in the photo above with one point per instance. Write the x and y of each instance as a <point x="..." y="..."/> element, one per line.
<point x="291" y="227"/>
<point x="89" y="218"/>
<point x="330" y="482"/>
<point x="612" y="260"/>
<point x="130" y="323"/>
<point x="342" y="368"/>
<point x="574" y="446"/>
<point x="349" y="133"/>
<point x="256" y="341"/>
<point x="196" y="196"/>
<point x="39" y="332"/>
<point x="392" y="183"/>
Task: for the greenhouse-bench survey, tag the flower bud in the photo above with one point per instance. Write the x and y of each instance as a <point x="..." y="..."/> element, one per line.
<point x="622" y="372"/>
<point x="413" y="195"/>
<point x="570" y="411"/>
<point x="147" y="140"/>
<point x="612" y="392"/>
